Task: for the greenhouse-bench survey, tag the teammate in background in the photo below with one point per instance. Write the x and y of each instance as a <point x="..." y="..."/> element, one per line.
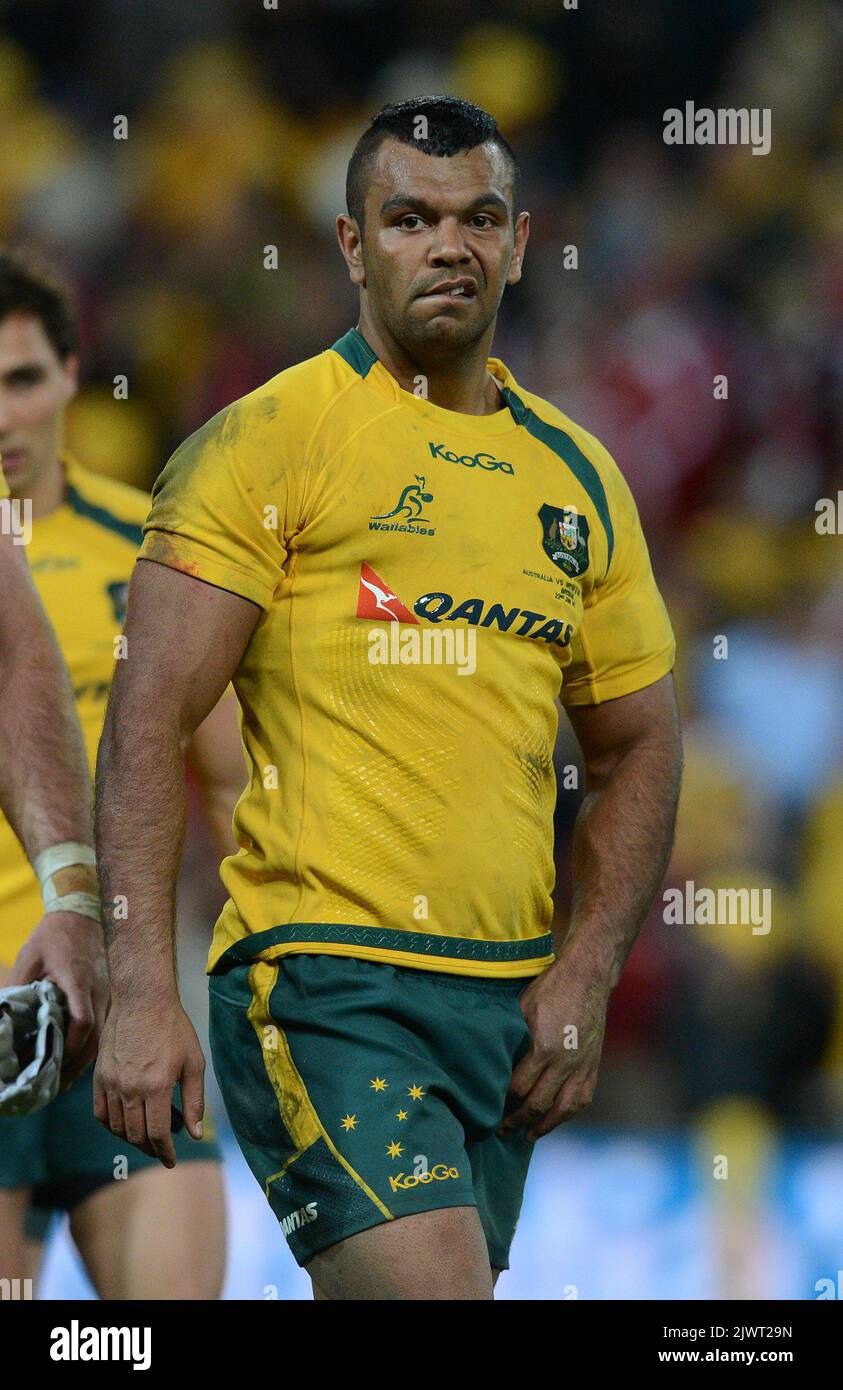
<point x="390" y="1026"/>
<point x="158" y="1234"/>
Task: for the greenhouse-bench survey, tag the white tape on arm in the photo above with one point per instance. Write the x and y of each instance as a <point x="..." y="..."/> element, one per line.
<point x="69" y="854"/>
<point x="83" y="904"/>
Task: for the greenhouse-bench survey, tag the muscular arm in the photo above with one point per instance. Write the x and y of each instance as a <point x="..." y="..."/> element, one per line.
<point x="624" y="830"/>
<point x="185" y="639"/>
<point x="45" y="794"/>
<point x="44" y="784"/>
<point x="622" y="842"/>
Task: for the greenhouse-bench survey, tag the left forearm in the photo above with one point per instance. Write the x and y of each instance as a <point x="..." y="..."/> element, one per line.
<point x="622" y="843"/>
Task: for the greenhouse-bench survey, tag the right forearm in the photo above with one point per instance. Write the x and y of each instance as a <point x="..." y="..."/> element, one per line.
<point x="140" y="826"/>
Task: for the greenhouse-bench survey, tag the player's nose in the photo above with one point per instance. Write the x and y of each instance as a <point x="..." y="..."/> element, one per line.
<point x="448" y="246"/>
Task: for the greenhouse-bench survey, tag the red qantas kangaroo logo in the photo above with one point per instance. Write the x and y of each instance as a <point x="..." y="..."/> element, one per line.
<point x="376" y="600"/>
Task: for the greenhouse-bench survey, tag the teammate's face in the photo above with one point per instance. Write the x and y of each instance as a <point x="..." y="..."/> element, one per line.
<point x="434" y="221"/>
<point x="35" y="387"/>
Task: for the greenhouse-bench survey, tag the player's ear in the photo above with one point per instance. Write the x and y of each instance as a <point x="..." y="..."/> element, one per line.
<point x="351" y="245"/>
<point x="522" y="234"/>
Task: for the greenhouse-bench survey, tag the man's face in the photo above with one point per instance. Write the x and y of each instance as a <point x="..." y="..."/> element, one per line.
<point x="35" y="387"/>
<point x="434" y="222"/>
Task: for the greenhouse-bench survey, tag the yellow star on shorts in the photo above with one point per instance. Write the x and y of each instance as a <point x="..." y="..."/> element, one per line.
<point x="394" y="1150"/>
<point x="350" y="1122"/>
<point x="415" y="1092"/>
<point x="400" y="1114"/>
<point x="378" y="1084"/>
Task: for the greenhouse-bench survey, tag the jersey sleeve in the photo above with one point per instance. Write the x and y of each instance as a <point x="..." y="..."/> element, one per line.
<point x="625" y="641"/>
<point x="222" y="505"/>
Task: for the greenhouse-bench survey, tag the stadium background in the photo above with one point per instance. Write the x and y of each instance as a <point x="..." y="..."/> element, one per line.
<point x="692" y="262"/>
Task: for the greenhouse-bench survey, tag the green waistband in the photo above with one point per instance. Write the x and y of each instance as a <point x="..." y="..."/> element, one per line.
<point x="386" y="939"/>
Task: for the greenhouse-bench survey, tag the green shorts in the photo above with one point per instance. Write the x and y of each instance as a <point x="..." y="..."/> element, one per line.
<point x="64" y="1154"/>
<point x="360" y="1092"/>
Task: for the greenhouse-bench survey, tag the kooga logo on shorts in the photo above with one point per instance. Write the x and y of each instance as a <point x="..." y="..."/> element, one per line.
<point x="438" y="1173"/>
<point x="485" y="461"/>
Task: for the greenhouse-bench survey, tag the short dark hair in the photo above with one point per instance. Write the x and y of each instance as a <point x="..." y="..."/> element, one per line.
<point x="29" y="286"/>
<point x="453" y="126"/>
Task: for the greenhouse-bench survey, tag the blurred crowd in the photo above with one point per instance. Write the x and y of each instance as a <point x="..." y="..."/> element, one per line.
<point x="699" y="335"/>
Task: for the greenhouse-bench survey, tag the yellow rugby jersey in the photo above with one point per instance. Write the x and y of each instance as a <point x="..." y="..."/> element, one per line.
<point x="81" y="557"/>
<point x="401" y="790"/>
<point x="4" y="486"/>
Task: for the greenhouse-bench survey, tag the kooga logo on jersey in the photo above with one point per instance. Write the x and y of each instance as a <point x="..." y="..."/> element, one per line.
<point x="486" y="461"/>
<point x="437" y="605"/>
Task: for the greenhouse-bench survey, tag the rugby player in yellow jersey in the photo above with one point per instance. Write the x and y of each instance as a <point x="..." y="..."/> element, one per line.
<point x="157" y="1234"/>
<point x="390" y="1025"/>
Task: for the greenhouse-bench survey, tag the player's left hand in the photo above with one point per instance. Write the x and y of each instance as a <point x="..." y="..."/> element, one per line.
<point x="149" y="1046"/>
<point x="566" y="1013"/>
<point x="68" y="949"/>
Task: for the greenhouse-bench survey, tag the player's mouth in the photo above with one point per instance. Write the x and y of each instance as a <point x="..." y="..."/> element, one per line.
<point x="11" y="458"/>
<point x="452" y="290"/>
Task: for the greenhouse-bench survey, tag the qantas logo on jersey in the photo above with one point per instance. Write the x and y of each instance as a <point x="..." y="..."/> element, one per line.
<point x="376" y="600"/>
<point x="522" y="622"/>
<point x="488" y="462"/>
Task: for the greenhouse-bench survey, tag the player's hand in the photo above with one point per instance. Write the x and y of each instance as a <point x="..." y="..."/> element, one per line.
<point x="149" y="1045"/>
<point x="555" y="1079"/>
<point x="68" y="949"/>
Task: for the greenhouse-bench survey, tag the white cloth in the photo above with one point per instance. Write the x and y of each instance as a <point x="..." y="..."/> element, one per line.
<point x="32" y="1022"/>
